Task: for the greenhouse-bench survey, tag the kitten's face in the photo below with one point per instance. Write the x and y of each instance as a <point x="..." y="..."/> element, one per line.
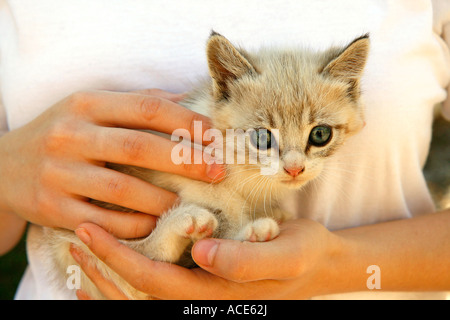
<point x="307" y="105"/>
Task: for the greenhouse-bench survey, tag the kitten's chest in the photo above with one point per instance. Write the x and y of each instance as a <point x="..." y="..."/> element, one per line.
<point x="234" y="205"/>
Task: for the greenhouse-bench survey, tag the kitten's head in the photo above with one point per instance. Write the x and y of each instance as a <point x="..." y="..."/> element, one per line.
<point x="309" y="102"/>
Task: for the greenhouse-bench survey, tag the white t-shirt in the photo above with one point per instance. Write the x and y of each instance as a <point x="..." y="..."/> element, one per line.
<point x="50" y="49"/>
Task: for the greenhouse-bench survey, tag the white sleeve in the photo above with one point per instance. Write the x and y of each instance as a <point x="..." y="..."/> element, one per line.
<point x="441" y="26"/>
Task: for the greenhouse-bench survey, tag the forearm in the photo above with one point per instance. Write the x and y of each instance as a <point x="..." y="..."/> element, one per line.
<point x="412" y="255"/>
<point x="11" y="225"/>
<point x="12" y="228"/>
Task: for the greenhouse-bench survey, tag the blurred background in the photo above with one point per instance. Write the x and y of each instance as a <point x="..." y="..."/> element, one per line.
<point x="437" y="173"/>
<point x="437" y="168"/>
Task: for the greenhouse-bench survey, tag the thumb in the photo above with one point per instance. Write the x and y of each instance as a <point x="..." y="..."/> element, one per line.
<point x="246" y="261"/>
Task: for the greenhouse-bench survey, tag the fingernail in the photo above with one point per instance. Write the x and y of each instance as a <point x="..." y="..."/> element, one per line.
<point x="215" y="171"/>
<point x="205" y="252"/>
<point x="83" y="235"/>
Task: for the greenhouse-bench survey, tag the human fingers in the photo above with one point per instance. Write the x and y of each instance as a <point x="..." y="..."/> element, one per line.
<point x="123" y="225"/>
<point x="174" y="97"/>
<point x="282" y="258"/>
<point x="242" y="261"/>
<point x="81" y="295"/>
<point x="168" y="281"/>
<point x="106" y="287"/>
<point x="140" y="111"/>
<point x="59" y="139"/>
<point x="118" y="188"/>
<point x="157" y="279"/>
<point x="143" y="149"/>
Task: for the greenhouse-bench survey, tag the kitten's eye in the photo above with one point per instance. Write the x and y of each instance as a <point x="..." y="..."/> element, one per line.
<point x="320" y="136"/>
<point x="262" y="139"/>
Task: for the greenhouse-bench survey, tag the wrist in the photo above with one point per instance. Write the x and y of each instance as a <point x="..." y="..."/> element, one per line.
<point x="12" y="228"/>
<point x="340" y="271"/>
<point x="4" y="173"/>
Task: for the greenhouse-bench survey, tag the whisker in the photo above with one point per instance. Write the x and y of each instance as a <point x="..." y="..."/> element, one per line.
<point x="246" y="199"/>
<point x="265" y="194"/>
<point x="240" y="186"/>
<point x="263" y="186"/>
<point x="252" y="194"/>
<point x="343" y="172"/>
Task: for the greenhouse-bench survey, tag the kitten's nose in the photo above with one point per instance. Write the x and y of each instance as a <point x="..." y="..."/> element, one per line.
<point x="294" y="171"/>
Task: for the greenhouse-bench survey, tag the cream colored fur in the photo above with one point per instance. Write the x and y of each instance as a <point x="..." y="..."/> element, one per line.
<point x="291" y="90"/>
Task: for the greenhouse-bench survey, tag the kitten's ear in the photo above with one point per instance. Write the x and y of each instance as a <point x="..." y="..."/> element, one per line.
<point x="226" y="64"/>
<point x="349" y="64"/>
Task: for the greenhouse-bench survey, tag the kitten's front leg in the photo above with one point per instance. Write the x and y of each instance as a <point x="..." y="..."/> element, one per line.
<point x="259" y="230"/>
<point x="176" y="230"/>
<point x="281" y="215"/>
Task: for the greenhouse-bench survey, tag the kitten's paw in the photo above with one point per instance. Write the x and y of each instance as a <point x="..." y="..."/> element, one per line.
<point x="197" y="224"/>
<point x="260" y="230"/>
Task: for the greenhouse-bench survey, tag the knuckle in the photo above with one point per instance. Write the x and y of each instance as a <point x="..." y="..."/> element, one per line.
<point x="193" y="164"/>
<point x="135" y="228"/>
<point x="107" y="254"/>
<point x="237" y="271"/>
<point x="61" y="135"/>
<point x="149" y="107"/>
<point x="46" y="173"/>
<point x="237" y="274"/>
<point x="117" y="187"/>
<point x="44" y="201"/>
<point x="153" y="92"/>
<point x="134" y="145"/>
<point x="78" y="101"/>
<point x="194" y="170"/>
<point x="56" y="137"/>
<point x="45" y="206"/>
<point x="195" y="118"/>
<point x="187" y="166"/>
<point x="141" y="227"/>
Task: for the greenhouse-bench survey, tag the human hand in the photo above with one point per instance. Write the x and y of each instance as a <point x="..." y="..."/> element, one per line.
<point x="51" y="167"/>
<point x="294" y="265"/>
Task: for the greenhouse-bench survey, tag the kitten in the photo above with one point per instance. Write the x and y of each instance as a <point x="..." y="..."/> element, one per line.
<point x="310" y="99"/>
